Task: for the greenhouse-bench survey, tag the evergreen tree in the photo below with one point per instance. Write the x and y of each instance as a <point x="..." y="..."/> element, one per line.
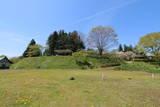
<point x="128" y="48"/>
<point x="125" y="48"/>
<point x="32" y="50"/>
<point x="52" y="43"/>
<point x="33" y="42"/>
<point x="120" y="49"/>
<point x="63" y="41"/>
<point x="74" y="42"/>
<point x="131" y="48"/>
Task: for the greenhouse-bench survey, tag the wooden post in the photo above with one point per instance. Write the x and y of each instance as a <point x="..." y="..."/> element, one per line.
<point x="153" y="76"/>
<point x="102" y="76"/>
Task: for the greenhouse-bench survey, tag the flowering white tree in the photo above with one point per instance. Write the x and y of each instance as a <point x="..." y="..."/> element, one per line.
<point x="102" y="38"/>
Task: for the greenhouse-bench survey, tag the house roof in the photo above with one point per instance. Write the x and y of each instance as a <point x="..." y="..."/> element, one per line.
<point x="2" y="57"/>
<point x="59" y="51"/>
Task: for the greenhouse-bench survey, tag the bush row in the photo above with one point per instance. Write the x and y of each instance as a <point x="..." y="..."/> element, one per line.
<point x="85" y="60"/>
<point x="139" y="66"/>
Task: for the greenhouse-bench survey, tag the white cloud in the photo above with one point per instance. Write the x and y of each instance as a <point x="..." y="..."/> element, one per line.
<point x="122" y="5"/>
<point x="14" y="37"/>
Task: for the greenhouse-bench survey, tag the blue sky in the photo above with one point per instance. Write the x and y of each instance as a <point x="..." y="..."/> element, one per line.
<point x="22" y="20"/>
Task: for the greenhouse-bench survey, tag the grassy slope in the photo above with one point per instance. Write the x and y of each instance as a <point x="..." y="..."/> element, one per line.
<point x="52" y="88"/>
<point x="53" y="62"/>
<point x="60" y="62"/>
<point x="139" y="66"/>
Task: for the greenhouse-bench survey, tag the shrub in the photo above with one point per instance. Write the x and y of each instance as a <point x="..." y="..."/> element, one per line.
<point x="82" y="60"/>
<point x="111" y="61"/>
<point x="92" y="61"/>
<point x="85" y="64"/>
<point x="80" y="56"/>
<point x="138" y="66"/>
<point x="108" y="60"/>
<point x="128" y="56"/>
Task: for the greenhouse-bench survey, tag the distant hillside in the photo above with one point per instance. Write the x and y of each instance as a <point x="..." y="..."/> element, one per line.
<point x="50" y="62"/>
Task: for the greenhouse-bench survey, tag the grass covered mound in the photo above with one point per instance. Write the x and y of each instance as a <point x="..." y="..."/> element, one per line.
<point x="52" y="62"/>
<point x="139" y="66"/>
<point x="65" y="62"/>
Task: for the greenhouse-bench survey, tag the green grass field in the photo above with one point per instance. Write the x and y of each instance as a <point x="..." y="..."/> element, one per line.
<point x="52" y="88"/>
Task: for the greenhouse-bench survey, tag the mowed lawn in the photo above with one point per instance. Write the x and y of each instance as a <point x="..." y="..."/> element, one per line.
<point x="52" y="88"/>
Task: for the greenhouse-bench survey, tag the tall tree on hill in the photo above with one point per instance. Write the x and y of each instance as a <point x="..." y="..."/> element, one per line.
<point x="125" y="47"/>
<point x="33" y="42"/>
<point x="120" y="49"/>
<point x="102" y="38"/>
<point x="52" y="43"/>
<point x="74" y="42"/>
<point x="131" y="48"/>
<point x="32" y="50"/>
<point x="150" y="43"/>
<point x="128" y="48"/>
<point x="63" y="41"/>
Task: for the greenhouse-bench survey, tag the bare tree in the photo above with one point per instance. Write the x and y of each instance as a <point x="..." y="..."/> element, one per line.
<point x="102" y="38"/>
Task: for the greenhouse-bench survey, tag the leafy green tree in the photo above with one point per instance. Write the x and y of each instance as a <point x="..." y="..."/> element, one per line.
<point x="150" y="43"/>
<point x="139" y="50"/>
<point x="33" y="50"/>
<point x="102" y="38"/>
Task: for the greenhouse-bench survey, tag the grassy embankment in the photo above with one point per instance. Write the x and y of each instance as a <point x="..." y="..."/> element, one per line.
<point x="52" y="62"/>
<point x="58" y="62"/>
<point x="68" y="62"/>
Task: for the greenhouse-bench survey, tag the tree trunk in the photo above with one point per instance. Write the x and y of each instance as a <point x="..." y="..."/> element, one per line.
<point x="100" y="52"/>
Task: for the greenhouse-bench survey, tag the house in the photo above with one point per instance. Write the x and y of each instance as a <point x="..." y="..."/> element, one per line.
<point x="63" y="52"/>
<point x="4" y="62"/>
